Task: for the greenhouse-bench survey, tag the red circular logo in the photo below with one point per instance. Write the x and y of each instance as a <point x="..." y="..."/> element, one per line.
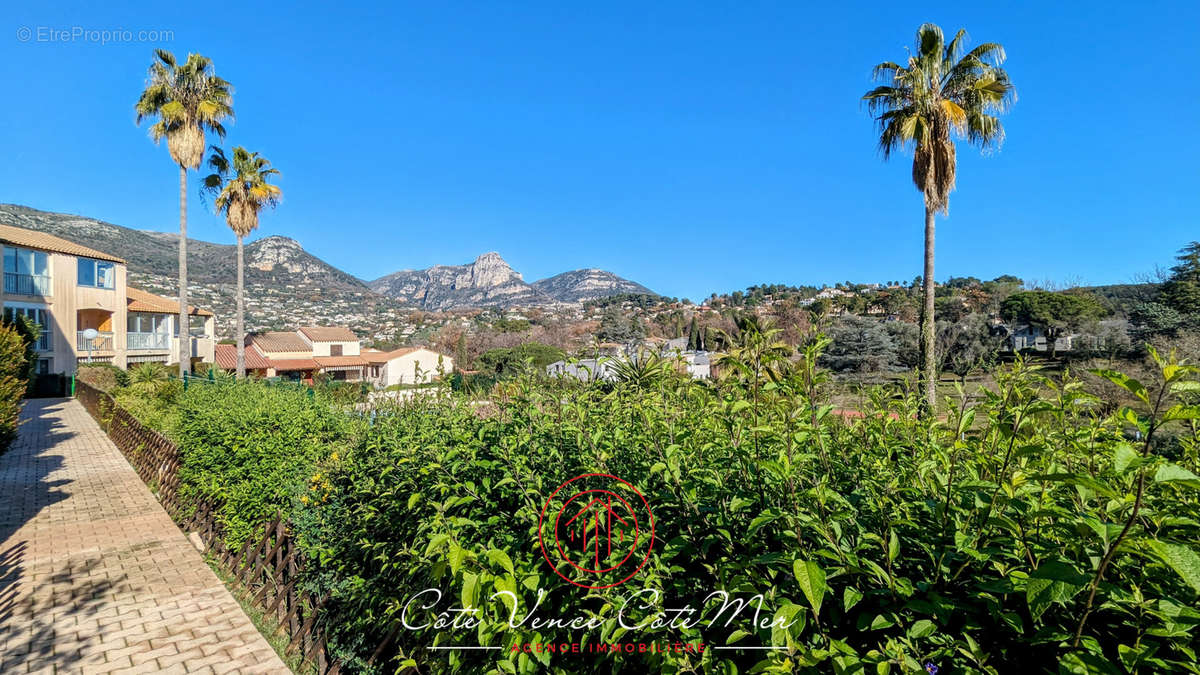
<point x="600" y="526"/>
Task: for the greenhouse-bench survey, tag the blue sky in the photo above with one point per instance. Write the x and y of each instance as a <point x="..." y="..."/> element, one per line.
<point x="694" y="147"/>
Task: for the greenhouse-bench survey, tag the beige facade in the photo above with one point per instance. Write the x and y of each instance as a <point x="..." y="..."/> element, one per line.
<point x="67" y="289"/>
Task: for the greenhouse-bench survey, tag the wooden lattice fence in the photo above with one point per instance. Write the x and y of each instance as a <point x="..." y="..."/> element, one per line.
<point x="267" y="568"/>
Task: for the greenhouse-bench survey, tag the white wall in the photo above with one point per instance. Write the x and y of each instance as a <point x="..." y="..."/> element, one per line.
<point x="404" y="369"/>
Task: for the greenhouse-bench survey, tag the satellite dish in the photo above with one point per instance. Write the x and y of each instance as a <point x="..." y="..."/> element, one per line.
<point x="90" y="334"/>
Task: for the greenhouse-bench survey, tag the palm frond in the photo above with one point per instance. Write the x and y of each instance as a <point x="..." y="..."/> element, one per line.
<point x="941" y="93"/>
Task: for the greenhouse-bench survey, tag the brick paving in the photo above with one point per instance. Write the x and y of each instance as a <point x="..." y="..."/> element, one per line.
<point x="94" y="575"/>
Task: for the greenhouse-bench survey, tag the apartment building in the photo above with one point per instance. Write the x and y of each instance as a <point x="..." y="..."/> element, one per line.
<point x="70" y="290"/>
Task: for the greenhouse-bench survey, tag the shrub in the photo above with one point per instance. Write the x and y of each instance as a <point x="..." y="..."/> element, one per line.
<point x="152" y="402"/>
<point x="15" y="365"/>
<point x="1013" y="536"/>
<point x="253" y="448"/>
<point x="103" y="376"/>
<point x="508" y="361"/>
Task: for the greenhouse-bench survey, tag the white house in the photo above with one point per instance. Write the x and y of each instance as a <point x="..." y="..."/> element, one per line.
<point x="407" y="365"/>
<point x="1026" y="337"/>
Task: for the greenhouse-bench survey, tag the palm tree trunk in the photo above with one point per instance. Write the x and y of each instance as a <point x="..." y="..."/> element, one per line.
<point x="241" y="325"/>
<point x="185" y="340"/>
<point x="928" y="360"/>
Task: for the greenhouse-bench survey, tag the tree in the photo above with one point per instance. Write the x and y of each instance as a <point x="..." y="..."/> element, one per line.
<point x="1181" y="292"/>
<point x="906" y="336"/>
<point x="614" y="327"/>
<point x="1054" y="313"/>
<point x="505" y="361"/>
<point x="967" y="345"/>
<point x="242" y="189"/>
<point x="460" y="351"/>
<point x="1153" y="319"/>
<point x="938" y="94"/>
<point x="860" y="346"/>
<point x="695" y="337"/>
<point x="188" y="101"/>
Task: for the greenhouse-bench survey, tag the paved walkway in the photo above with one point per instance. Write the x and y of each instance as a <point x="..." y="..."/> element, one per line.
<point x="94" y="575"/>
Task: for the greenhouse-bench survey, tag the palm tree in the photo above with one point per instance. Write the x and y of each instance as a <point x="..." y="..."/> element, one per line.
<point x="242" y="190"/>
<point x="188" y="101"/>
<point x="939" y="94"/>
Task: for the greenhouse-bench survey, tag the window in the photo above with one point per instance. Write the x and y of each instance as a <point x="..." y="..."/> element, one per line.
<point x="148" y="331"/>
<point x="97" y="273"/>
<point x="43" y="367"/>
<point x="335" y="350"/>
<point x="26" y="272"/>
<point x="147" y="323"/>
<point x="39" y="316"/>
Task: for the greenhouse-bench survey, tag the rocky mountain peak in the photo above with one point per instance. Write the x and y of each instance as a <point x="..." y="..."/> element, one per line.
<point x="489" y="270"/>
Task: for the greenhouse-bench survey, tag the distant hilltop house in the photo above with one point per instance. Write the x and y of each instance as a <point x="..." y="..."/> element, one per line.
<point x="335" y="351"/>
<point x="85" y="310"/>
<point x="696" y="363"/>
<point x="832" y="293"/>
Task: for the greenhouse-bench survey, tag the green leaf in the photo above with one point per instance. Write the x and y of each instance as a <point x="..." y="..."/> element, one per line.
<point x="413" y="499"/>
<point x="922" y="628"/>
<point x="1173" y="473"/>
<point x="967" y="420"/>
<point x="1181" y="412"/>
<point x="811" y="579"/>
<point x="470" y="589"/>
<point x="881" y="621"/>
<point x="850" y="598"/>
<point x="1053" y="582"/>
<point x="501" y="558"/>
<point x="893" y="546"/>
<point x="1125" y="382"/>
<point x="1180" y="558"/>
<point x="784" y="616"/>
<point x="735" y="636"/>
<point x="1124" y="457"/>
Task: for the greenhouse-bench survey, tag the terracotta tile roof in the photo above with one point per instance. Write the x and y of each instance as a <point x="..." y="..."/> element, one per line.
<point x="369" y="353"/>
<point x="227" y="358"/>
<point x="293" y="364"/>
<point x="137" y="300"/>
<point x="334" y="361"/>
<point x="279" y="341"/>
<point x="20" y="236"/>
<point x="376" y="356"/>
<point x="329" y="334"/>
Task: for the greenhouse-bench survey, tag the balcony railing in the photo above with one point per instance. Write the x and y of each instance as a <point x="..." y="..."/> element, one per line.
<point x="103" y="342"/>
<point x="26" y="284"/>
<point x="157" y="341"/>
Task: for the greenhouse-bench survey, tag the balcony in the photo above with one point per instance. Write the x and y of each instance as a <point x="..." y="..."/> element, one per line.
<point x="26" y="284"/>
<point x="152" y="341"/>
<point x="103" y="342"/>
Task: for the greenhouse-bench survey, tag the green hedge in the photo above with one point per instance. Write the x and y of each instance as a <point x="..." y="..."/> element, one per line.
<point x="1034" y="531"/>
<point x="253" y="447"/>
<point x="971" y="544"/>
<point x="15" y="367"/>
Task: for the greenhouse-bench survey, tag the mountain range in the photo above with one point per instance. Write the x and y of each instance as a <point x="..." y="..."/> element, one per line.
<point x="287" y="285"/>
<point x="489" y="281"/>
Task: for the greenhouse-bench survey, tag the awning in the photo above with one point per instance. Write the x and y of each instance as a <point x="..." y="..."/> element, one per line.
<point x="293" y="364"/>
